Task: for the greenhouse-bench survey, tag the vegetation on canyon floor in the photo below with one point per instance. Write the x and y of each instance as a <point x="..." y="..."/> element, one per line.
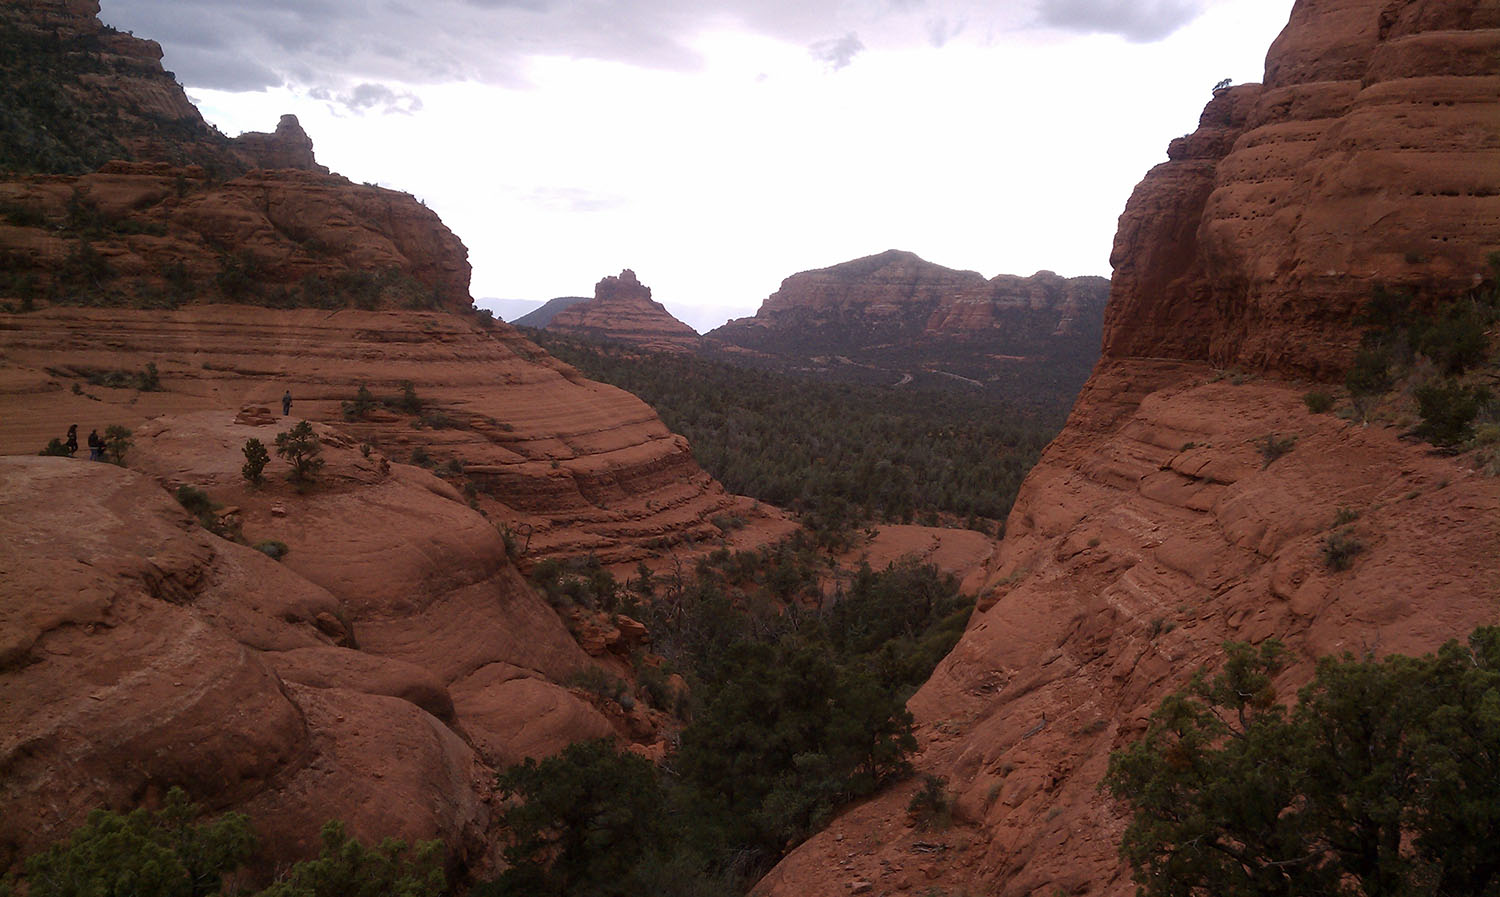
<point x="171" y="853"/>
<point x="1381" y="778"/>
<point x="795" y="711"/>
<point x="873" y="453"/>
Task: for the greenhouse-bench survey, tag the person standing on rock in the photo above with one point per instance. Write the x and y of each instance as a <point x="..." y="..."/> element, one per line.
<point x="72" y="443"/>
<point x="96" y="446"/>
<point x="286" y="403"/>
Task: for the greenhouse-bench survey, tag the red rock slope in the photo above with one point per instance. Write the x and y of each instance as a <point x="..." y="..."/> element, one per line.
<point x="622" y="311"/>
<point x="1154" y="529"/>
<point x="576" y="466"/>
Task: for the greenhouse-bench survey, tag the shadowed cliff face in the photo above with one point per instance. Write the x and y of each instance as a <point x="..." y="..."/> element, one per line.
<point x="1154" y="528"/>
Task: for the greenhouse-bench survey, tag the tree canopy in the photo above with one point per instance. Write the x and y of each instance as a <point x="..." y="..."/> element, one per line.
<point x="1382" y="779"/>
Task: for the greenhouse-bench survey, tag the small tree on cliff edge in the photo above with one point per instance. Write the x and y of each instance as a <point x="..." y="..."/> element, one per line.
<point x="1381" y="780"/>
<point x="300" y="446"/>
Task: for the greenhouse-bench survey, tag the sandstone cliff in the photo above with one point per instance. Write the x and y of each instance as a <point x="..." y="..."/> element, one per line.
<point x="1153" y="529"/>
<point x="396" y="658"/>
<point x="887" y="316"/>
<point x="622" y="311"/>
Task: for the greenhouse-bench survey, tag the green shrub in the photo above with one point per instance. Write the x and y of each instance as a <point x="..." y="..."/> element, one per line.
<point x="362" y="404"/>
<point x="256" y="459"/>
<point x="1272" y="447"/>
<point x="160" y="854"/>
<point x="116" y="443"/>
<point x="300" y="446"/>
<point x="1380" y="779"/>
<point x="932" y="806"/>
<point x="1368" y="378"/>
<point x="1448" y="409"/>
<point x="1456" y="339"/>
<point x="346" y="868"/>
<point x="1318" y="402"/>
<point x="275" y="549"/>
<point x="409" y="403"/>
<point x="55" y="448"/>
<point x="1345" y="516"/>
<point x="1339" y="549"/>
<point x="195" y="501"/>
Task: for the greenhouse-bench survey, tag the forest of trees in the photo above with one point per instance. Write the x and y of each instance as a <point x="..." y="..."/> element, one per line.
<point x="890" y="454"/>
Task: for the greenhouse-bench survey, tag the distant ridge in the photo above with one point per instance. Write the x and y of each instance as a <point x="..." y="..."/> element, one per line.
<point x="544" y="315"/>
<point x="894" y="318"/>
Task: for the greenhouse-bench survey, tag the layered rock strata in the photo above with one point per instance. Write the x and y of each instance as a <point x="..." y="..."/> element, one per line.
<point x="575" y="467"/>
<point x="622" y="311"/>
<point x="1155" y="528"/>
<point x="896" y="315"/>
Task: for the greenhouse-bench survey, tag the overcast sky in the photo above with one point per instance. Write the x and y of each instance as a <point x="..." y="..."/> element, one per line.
<point x="718" y="147"/>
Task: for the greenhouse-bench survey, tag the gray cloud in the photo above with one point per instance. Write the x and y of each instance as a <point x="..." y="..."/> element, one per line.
<point x="337" y="45"/>
<point x="369" y="97"/>
<point x="1142" y="21"/>
<point x="837" y="52"/>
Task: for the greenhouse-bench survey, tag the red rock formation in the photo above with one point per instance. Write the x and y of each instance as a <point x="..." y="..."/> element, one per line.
<point x="575" y="466"/>
<point x="1153" y="529"/>
<point x="894" y="314"/>
<point x="159" y="235"/>
<point x="622" y="311"/>
<point x="106" y="97"/>
<point x="288" y="147"/>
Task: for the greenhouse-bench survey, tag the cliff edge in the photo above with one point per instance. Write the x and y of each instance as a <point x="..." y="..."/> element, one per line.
<point x="1159" y="524"/>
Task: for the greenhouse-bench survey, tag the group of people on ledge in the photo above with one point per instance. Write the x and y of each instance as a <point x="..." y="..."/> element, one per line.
<point x="96" y="443"/>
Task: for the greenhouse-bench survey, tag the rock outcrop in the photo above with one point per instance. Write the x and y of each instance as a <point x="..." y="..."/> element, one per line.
<point x="887" y="316"/>
<point x="78" y="94"/>
<point x="622" y="311"/>
<point x="1154" y="528"/>
<point x="575" y="467"/>
<point x="148" y="235"/>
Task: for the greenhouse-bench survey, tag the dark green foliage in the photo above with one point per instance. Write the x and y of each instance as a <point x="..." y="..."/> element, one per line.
<point x="409" y="402"/>
<point x="1380" y="780"/>
<point x="588" y="822"/>
<point x="256" y="459"/>
<point x="55" y="448"/>
<point x="195" y="501"/>
<point x="346" y="868"/>
<point x="143" y="854"/>
<point x="1318" y="402"/>
<point x="275" y="549"/>
<point x="806" y="444"/>
<point x="579" y="581"/>
<point x="116" y="443"/>
<point x="1339" y="549"/>
<point x="1272" y="447"/>
<point x="932" y="805"/>
<point x="362" y="404"/>
<point x="795" y="712"/>
<point x="1448" y="410"/>
<point x="1455" y="339"/>
<point x="241" y="277"/>
<point x="300" y="446"/>
<point x="1369" y="377"/>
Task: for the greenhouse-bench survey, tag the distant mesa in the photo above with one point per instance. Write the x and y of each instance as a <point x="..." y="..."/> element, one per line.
<point x="543" y="316"/>
<point x="886" y="316"/>
<point x="623" y="311"/>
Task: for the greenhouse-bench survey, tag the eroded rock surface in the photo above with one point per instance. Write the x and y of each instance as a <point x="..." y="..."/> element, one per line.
<point x="1154" y="528"/>
<point x="571" y="465"/>
<point x="623" y="311"/>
